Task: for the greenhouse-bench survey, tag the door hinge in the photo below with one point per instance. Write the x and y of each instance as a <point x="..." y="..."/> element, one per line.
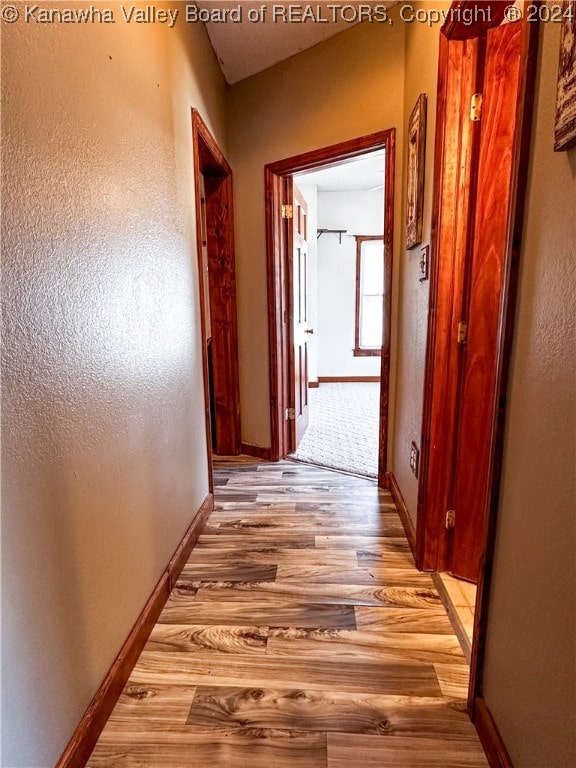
<point x="287" y="211"/>
<point x="290" y="414"/>
<point x="476" y="107"/>
<point x="462" y="332"/>
<point x="450" y="518"/>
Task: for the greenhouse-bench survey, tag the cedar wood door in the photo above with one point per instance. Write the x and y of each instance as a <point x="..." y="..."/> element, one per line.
<point x="503" y="82"/>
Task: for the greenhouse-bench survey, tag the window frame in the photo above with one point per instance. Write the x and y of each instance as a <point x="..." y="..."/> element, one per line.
<point x="358" y="350"/>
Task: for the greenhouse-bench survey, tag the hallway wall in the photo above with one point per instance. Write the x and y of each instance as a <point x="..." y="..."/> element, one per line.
<point x="421" y="76"/>
<point x="104" y="453"/>
<point x="348" y="86"/>
<point x="531" y="645"/>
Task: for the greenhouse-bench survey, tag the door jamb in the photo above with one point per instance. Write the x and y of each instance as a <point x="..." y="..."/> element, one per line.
<point x="210" y="162"/>
<point x="278" y="190"/>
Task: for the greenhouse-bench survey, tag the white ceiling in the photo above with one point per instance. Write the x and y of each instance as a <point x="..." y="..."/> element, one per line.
<point x="362" y="173"/>
<point x="246" y="47"/>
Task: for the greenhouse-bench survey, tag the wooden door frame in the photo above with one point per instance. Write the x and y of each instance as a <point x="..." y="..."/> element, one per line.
<point x="209" y="161"/>
<point x="278" y="189"/>
<point x="451" y="236"/>
<point x="431" y="532"/>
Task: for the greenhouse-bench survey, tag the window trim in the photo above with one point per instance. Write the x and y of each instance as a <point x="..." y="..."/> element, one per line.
<point x="358" y="350"/>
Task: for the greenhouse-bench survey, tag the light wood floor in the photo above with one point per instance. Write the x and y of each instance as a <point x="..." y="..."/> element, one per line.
<point x="299" y="634"/>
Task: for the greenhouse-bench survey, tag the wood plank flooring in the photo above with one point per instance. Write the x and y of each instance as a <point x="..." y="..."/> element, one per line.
<point x="299" y="633"/>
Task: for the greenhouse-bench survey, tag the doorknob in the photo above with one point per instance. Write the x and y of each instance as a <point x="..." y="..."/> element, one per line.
<point x="309" y="330"/>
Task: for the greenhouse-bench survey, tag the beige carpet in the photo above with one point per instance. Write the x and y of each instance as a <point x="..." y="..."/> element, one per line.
<point x="343" y="428"/>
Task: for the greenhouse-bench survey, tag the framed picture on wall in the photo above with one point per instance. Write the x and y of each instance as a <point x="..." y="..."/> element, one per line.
<point x="565" y="127"/>
<point x="415" y="174"/>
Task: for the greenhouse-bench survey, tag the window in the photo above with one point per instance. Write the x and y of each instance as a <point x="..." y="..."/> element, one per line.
<point x="369" y="295"/>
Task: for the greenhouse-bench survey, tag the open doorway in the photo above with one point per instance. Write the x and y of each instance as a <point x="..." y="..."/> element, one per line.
<point x="338" y="241"/>
<point x="296" y="345"/>
<point x="485" y="93"/>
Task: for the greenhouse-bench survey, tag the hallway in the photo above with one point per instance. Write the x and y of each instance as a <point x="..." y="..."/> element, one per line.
<point x="298" y="632"/>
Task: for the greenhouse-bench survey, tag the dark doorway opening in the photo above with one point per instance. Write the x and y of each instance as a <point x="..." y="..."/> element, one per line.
<point x="215" y="239"/>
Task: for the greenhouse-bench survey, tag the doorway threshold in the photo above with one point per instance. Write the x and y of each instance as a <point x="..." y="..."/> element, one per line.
<point x="293" y="458"/>
<point x="459" y="599"/>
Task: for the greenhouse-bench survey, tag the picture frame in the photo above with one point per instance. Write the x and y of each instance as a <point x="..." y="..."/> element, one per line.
<point x="415" y="172"/>
<point x="565" y="124"/>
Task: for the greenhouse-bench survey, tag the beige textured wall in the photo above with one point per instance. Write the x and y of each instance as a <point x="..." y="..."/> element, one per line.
<point x="346" y="87"/>
<point x="104" y="458"/>
<point x="421" y="77"/>
<point x="530" y="673"/>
